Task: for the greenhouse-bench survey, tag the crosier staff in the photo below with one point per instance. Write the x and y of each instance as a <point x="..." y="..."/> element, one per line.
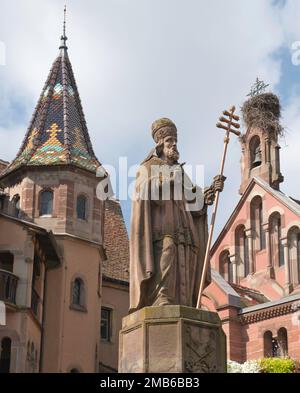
<point x="228" y="122"/>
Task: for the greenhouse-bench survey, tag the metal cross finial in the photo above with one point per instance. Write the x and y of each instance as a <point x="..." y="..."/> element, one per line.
<point x="65" y="11"/>
<point x="229" y="122"/>
<point x="64" y="37"/>
<point x="258" y="88"/>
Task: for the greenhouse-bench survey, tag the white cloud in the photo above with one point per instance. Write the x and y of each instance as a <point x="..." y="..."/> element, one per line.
<point x="137" y="60"/>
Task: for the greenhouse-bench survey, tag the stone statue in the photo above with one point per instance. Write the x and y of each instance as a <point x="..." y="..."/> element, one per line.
<point x="168" y="240"/>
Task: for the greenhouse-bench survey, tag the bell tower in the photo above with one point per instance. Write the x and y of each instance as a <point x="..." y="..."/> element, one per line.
<point x="260" y="148"/>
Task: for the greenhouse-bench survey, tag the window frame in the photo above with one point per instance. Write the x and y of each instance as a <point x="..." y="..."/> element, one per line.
<point x="83" y="196"/>
<point x="41" y="214"/>
<point x="108" y="337"/>
<point x="81" y="305"/>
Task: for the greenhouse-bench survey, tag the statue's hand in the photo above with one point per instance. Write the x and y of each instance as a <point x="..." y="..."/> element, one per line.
<point x="218" y="183"/>
<point x="210" y="192"/>
<point x="209" y="196"/>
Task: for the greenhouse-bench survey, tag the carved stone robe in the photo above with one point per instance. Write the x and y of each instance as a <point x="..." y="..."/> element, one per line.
<point x="167" y="247"/>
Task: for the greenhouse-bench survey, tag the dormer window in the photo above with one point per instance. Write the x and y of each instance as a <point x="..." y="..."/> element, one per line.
<point x="46" y="203"/>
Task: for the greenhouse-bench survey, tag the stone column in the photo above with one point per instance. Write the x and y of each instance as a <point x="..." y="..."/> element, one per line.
<point x="249" y="237"/>
<point x="268" y="150"/>
<point x="270" y="268"/>
<point x="234" y="268"/>
<point x="287" y="274"/>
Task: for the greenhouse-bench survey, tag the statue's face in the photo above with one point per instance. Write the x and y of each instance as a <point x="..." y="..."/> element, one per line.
<point x="170" y="151"/>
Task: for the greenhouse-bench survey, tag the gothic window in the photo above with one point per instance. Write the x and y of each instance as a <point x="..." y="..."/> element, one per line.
<point x="78" y="294"/>
<point x="5" y="355"/>
<point x="106" y="316"/>
<point x="256" y="212"/>
<point x="276" y="250"/>
<point x="46" y="203"/>
<point x="255" y="152"/>
<point x="81" y="207"/>
<point x="16" y="205"/>
<point x="282" y="340"/>
<point x="225" y="266"/>
<point x="242" y="251"/>
<point x="294" y="254"/>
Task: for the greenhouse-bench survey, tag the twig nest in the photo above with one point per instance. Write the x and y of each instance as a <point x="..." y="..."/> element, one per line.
<point x="263" y="111"/>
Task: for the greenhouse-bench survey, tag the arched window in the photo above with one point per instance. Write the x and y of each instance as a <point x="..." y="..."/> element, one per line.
<point x="16" y="205"/>
<point x="255" y="152"/>
<point x="294" y="254"/>
<point x="242" y="251"/>
<point x="81" y="207"/>
<point x="276" y="250"/>
<point x="225" y="266"/>
<point x="78" y="293"/>
<point x="256" y="213"/>
<point x="5" y="355"/>
<point x="268" y="346"/>
<point x="46" y="203"/>
<point x="282" y="339"/>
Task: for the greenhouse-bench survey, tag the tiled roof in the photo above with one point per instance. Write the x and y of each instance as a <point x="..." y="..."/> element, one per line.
<point x="291" y="203"/>
<point x="249" y="296"/>
<point x="116" y="243"/>
<point x="57" y="133"/>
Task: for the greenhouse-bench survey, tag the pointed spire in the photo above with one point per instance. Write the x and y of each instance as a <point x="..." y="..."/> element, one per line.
<point x="64" y="37"/>
<point x="57" y="133"/>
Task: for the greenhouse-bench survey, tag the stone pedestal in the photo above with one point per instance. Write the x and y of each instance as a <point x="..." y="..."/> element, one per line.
<point x="172" y="339"/>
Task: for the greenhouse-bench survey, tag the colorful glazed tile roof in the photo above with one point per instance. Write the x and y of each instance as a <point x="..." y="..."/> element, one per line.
<point x="57" y="133"/>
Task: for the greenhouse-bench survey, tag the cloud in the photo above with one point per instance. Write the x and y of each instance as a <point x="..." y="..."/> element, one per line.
<point x="136" y="60"/>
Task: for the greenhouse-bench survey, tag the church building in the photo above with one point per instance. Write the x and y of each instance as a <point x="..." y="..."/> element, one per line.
<point x="256" y="258"/>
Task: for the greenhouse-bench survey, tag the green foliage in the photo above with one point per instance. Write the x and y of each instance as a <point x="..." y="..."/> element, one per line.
<point x="277" y="365"/>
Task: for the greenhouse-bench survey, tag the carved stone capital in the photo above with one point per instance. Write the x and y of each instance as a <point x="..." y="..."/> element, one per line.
<point x="266" y="227"/>
<point x="232" y="258"/>
<point x="284" y="241"/>
<point x="249" y="233"/>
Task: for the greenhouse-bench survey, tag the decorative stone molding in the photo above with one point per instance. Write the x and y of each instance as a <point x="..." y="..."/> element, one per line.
<point x="272" y="312"/>
<point x="296" y="306"/>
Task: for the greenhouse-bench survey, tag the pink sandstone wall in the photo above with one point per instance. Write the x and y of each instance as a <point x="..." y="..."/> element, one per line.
<point x="72" y="336"/>
<point x="115" y="297"/>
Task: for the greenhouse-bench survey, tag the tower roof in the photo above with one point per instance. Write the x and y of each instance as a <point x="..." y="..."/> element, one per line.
<point x="57" y="133"/>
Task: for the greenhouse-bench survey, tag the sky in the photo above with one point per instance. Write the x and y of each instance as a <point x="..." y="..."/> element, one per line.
<point x="138" y="60"/>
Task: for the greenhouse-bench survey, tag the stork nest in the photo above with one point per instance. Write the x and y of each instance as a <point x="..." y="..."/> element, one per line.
<point x="263" y="111"/>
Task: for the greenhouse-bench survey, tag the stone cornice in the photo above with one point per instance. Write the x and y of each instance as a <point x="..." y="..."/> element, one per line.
<point x="268" y="313"/>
